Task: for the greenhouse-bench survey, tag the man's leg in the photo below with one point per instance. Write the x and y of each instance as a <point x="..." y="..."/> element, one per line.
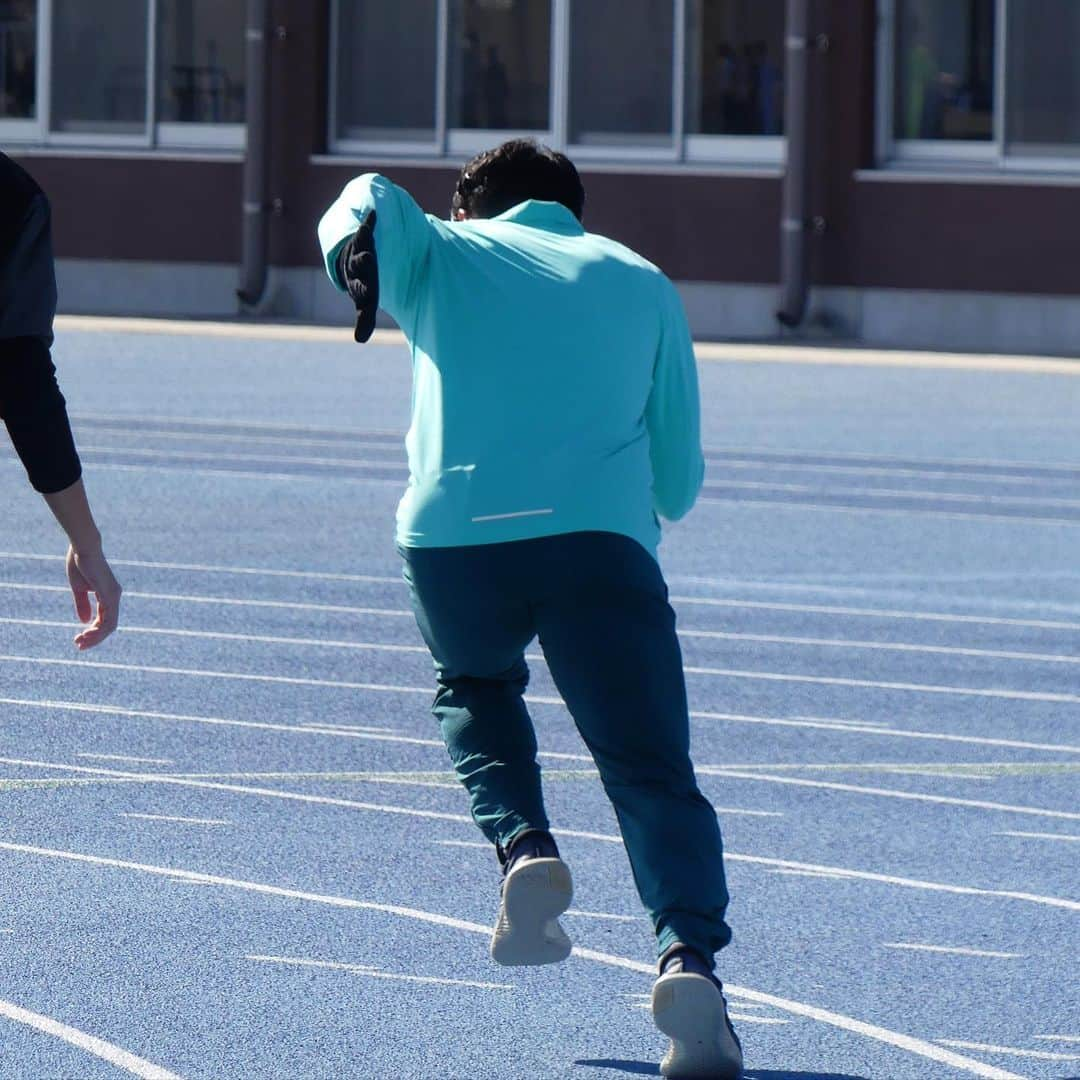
<point x="609" y="637"/>
<point x="477" y="629"/>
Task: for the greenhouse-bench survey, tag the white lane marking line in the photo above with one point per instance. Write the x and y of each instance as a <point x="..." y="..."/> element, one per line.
<point x="7" y="931"/>
<point x="889" y="793"/>
<point x="202" y="422"/>
<point x="279" y="459"/>
<point x="886" y="646"/>
<point x="758" y="605"/>
<point x="875" y="613"/>
<point x="125" y="757"/>
<point x="1059" y="1038"/>
<point x="376" y="973"/>
<point x="873" y="684"/>
<point x="220" y="635"/>
<point x="743" y="1018"/>
<point x="604" y="915"/>
<point x="516" y="514"/>
<point x="110" y="324"/>
<point x="952" y="950"/>
<point x="231" y="601"/>
<point x="747" y="813"/>
<point x="919" y="1047"/>
<point x="868" y="729"/>
<point x="1040" y="836"/>
<point x="180" y="820"/>
<point x="765" y="676"/>
<point x="210" y="568"/>
<point x="349" y="727"/>
<point x="908" y="770"/>
<point x="862" y="511"/>
<point x="807" y="873"/>
<point x="466" y="844"/>
<point x="988" y="1048"/>
<point x="408" y="811"/>
<point x="358" y="443"/>
<point x="91" y="1044"/>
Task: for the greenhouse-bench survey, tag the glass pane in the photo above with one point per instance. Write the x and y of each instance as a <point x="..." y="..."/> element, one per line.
<point x="620" y="83"/>
<point x="386" y="69"/>
<point x="99" y="66"/>
<point x="18" y="53"/>
<point x="1043" y="78"/>
<point x="500" y="64"/>
<point x="200" y="62"/>
<point x="944" y="86"/>
<point x="735" y="67"/>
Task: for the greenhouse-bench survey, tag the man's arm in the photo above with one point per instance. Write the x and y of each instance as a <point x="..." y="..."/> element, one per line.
<point x="673" y="415"/>
<point x="402" y="238"/>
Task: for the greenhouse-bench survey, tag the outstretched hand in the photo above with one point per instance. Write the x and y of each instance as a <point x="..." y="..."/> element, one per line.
<point x="359" y="267"/>
<point x="88" y="572"/>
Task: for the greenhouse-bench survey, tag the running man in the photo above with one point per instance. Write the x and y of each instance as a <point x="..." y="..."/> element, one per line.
<point x="31" y="404"/>
<point x="555" y="414"/>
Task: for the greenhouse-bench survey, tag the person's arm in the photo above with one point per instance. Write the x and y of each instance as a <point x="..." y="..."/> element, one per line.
<point x="402" y="238"/>
<point x="673" y="415"/>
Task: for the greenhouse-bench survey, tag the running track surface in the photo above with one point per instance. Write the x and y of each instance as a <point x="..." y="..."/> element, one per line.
<point x="230" y="845"/>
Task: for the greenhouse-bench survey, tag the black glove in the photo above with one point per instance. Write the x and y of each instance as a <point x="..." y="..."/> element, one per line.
<point x="358" y="269"/>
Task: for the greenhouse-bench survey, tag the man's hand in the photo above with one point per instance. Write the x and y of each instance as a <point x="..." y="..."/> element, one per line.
<point x="358" y="266"/>
<point x="88" y="572"/>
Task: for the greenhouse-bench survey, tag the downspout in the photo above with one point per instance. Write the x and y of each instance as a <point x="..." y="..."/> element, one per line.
<point x="255" y="216"/>
<point x="793" y="221"/>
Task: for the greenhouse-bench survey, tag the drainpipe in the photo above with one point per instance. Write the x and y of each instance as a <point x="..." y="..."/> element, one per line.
<point x="793" y="222"/>
<point x="253" y="257"/>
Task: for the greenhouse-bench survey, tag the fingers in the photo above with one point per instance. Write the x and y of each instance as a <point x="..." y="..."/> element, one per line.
<point x="92" y="573"/>
<point x="365" y="324"/>
<point x="108" y="615"/>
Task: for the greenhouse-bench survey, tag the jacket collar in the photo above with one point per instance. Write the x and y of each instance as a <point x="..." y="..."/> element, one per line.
<point x="552" y="216"/>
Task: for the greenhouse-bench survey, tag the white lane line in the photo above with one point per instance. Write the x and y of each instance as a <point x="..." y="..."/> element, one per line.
<point x="952" y="951"/>
<point x="279" y="459"/>
<point x="408" y="811"/>
<point x="210" y="568"/>
<point x="89" y="430"/>
<point x="875" y="613"/>
<point x="180" y="820"/>
<point x="202" y="422"/>
<point x="863" y="511"/>
<point x="743" y="1018"/>
<point x="1059" y="1038"/>
<point x="807" y="873"/>
<point x="465" y="843"/>
<point x="885" y="646"/>
<point x="125" y="757"/>
<point x="376" y="973"/>
<point x="756" y="605"/>
<point x="988" y="1048"/>
<point x="1040" y="836"/>
<point x="874" y="684"/>
<point x="737" y="812"/>
<point x="907" y="770"/>
<point x="230" y="601"/>
<point x="890" y="793"/>
<point x="764" y="676"/>
<point x="91" y="1044"/>
<point x="330" y="643"/>
<point x="220" y="635"/>
<point x="349" y="727"/>
<point x="604" y="915"/>
<point x="915" y="1046"/>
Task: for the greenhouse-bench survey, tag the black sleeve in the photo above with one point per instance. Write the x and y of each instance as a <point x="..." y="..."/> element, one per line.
<point x="35" y="413"/>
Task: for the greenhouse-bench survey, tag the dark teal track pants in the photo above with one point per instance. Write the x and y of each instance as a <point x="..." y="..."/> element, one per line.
<point x="599" y="605"/>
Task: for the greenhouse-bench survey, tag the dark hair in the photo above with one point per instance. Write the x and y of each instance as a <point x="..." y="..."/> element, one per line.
<point x="520" y="169"/>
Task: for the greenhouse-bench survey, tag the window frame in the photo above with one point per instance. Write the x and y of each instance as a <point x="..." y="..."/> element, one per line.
<point x="986" y="156"/>
<point x="717" y="150"/>
<point x="158" y="135"/>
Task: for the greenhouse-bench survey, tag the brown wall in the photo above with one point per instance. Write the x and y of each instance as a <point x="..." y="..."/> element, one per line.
<point x="978" y="236"/>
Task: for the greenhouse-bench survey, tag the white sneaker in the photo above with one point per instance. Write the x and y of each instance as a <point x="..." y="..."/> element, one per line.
<point x="537" y="889"/>
<point x="688" y="1007"/>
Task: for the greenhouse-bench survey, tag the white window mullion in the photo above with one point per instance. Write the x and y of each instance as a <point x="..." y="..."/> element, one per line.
<point x="151" y="72"/>
<point x="678" y="81"/>
<point x="886" y="80"/>
<point x="1001" y="23"/>
<point x="560" y="73"/>
<point x="442" y="70"/>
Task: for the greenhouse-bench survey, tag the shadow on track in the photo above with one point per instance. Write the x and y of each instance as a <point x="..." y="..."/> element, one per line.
<point x="650" y="1068"/>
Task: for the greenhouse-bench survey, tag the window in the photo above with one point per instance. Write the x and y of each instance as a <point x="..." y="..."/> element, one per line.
<point x="116" y="78"/>
<point x="610" y="79"/>
<point x="980" y="81"/>
<point x="18" y="59"/>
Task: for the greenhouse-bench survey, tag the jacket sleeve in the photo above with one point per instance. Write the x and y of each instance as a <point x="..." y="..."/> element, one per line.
<point x="27" y="275"/>
<point x="673" y="415"/>
<point x="403" y="235"/>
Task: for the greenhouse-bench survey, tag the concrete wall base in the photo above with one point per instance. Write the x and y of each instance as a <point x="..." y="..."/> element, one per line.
<point x="898" y="318"/>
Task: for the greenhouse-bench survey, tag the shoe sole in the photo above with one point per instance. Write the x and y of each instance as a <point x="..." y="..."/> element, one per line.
<point x="690" y="1011"/>
<point x="535" y="893"/>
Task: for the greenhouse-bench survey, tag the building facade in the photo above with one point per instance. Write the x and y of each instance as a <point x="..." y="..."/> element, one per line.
<point x="941" y="162"/>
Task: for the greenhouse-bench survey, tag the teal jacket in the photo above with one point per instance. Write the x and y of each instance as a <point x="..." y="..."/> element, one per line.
<point x="554" y="384"/>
